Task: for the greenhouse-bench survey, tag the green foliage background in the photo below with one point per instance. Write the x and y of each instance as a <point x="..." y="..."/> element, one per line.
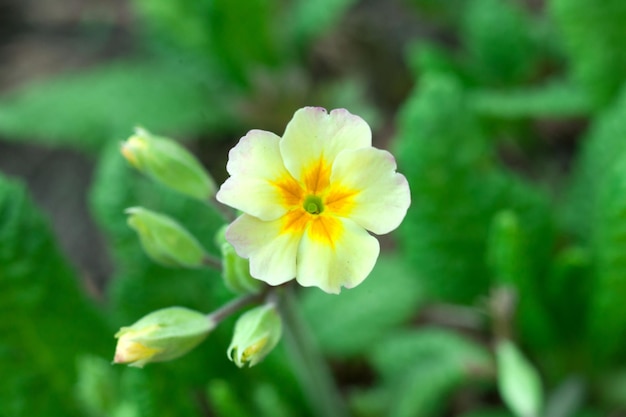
<point x="503" y="241"/>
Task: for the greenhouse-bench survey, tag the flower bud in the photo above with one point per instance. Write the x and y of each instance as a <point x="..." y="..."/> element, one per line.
<point x="257" y="332"/>
<point x="169" y="163"/>
<point x="235" y="269"/>
<point x="164" y="240"/>
<point x="160" y="336"/>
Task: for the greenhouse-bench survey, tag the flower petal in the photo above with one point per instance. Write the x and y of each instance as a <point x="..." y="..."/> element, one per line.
<point x="257" y="177"/>
<point x="382" y="195"/>
<point x="272" y="252"/>
<point x="335" y="252"/>
<point x="313" y="138"/>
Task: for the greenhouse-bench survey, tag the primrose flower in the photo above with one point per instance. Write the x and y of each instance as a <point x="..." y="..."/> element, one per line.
<point x="310" y="198"/>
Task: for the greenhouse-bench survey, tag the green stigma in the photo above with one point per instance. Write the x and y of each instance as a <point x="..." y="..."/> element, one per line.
<point x="313" y="204"/>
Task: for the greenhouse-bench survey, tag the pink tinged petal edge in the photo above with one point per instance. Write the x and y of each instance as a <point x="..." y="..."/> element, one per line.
<point x="313" y="133"/>
<point x="272" y="255"/>
<point x="257" y="154"/>
<point x="253" y="163"/>
<point x="384" y="196"/>
<point x="346" y="264"/>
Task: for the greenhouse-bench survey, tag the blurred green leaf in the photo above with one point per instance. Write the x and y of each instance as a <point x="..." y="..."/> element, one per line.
<point x="393" y="355"/>
<point x="185" y="23"/>
<point x="508" y="256"/>
<point x="421" y="368"/>
<point x="351" y="323"/>
<point x="555" y="99"/>
<point x="97" y="387"/>
<point x="570" y="274"/>
<point x="46" y="320"/>
<point x="431" y="58"/>
<point x="488" y="412"/>
<point x="518" y="381"/>
<point x="312" y="18"/>
<point x="225" y="401"/>
<point x="87" y="109"/>
<point x="371" y="402"/>
<point x="499" y="39"/>
<point x="566" y="399"/>
<point x="593" y="38"/>
<point x="244" y="39"/>
<point x="459" y="186"/>
<point x="238" y="40"/>
<point x="596" y="215"/>
<point x="270" y="402"/>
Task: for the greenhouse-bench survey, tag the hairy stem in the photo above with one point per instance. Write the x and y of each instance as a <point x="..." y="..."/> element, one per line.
<point x="311" y="368"/>
<point x="226" y="212"/>
<point x="234" y="306"/>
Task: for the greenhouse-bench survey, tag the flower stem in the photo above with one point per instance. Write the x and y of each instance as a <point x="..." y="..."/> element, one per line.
<point x="234" y="306"/>
<point x="311" y="368"/>
<point x="226" y="212"/>
<point x="212" y="262"/>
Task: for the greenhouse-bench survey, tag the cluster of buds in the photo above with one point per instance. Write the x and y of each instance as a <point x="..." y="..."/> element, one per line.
<point x="170" y="333"/>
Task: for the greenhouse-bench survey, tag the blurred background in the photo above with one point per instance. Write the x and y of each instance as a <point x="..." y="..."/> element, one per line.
<point x="508" y="117"/>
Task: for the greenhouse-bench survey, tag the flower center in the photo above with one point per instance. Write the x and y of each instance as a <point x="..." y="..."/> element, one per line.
<point x="313" y="204"/>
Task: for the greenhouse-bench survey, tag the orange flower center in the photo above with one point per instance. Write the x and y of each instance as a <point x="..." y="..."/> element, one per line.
<point x="314" y="204"/>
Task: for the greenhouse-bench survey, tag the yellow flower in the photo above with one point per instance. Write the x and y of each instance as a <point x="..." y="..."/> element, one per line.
<point x="310" y="198"/>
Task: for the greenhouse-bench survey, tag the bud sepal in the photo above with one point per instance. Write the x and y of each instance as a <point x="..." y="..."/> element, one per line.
<point x="235" y="269"/>
<point x="162" y="335"/>
<point x="164" y="240"/>
<point x="169" y="163"/>
<point x="256" y="334"/>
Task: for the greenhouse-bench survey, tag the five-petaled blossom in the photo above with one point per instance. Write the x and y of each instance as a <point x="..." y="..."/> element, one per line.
<point x="309" y="199"/>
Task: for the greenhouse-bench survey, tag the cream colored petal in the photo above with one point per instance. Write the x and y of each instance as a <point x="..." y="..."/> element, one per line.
<point x="272" y="254"/>
<point x="313" y="133"/>
<point x="347" y="261"/>
<point x="256" y="155"/>
<point x="255" y="166"/>
<point x="383" y="196"/>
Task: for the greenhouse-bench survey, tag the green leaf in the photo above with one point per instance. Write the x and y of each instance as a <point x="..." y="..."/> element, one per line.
<point x="312" y="18"/>
<point x="593" y="38"/>
<point x="345" y="326"/>
<point x="566" y="399"/>
<point x="225" y="401"/>
<point x="421" y="368"/>
<point x="508" y="256"/>
<point x="87" y="109"/>
<point x="488" y="412"/>
<point x="596" y="215"/>
<point x="237" y="40"/>
<point x="499" y="41"/>
<point x="458" y="187"/>
<point x="97" y="388"/>
<point x="555" y="99"/>
<point x="570" y="274"/>
<point x="41" y="303"/>
<point x="518" y="381"/>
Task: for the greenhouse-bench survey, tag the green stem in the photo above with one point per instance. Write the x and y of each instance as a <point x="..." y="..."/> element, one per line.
<point x="234" y="306"/>
<point x="311" y="368"/>
<point x="226" y="212"/>
<point x="212" y="262"/>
